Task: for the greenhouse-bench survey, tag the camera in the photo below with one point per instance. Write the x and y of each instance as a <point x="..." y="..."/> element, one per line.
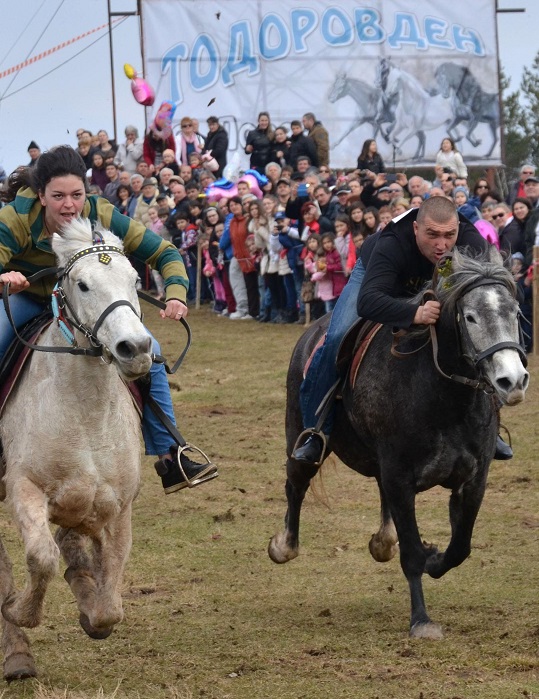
<point x="391" y="178"/>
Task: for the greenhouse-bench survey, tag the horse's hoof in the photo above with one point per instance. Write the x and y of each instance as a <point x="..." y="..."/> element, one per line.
<point x="92" y="631"/>
<point x="279" y="551"/>
<point x="382" y="551"/>
<point x="19" y="666"/>
<point x="429" y="630"/>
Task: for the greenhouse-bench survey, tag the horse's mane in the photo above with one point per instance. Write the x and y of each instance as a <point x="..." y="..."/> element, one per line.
<point x="467" y="270"/>
<point x="79" y="234"/>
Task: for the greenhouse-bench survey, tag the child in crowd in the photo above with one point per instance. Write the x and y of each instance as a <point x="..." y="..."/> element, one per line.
<point x="196" y="165"/>
<point x="323" y="282"/>
<point x="169" y="160"/>
<point x="334" y="268"/>
<point x="371" y="220"/>
<point x="343" y="242"/>
<point x="181" y="221"/>
<point x="358" y="240"/>
<point x="157" y="226"/>
<point x="217" y="258"/>
<point x="385" y="216"/>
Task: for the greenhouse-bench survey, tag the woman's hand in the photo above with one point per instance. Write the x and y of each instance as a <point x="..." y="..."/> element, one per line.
<point x="16" y="280"/>
<point x="175" y="310"/>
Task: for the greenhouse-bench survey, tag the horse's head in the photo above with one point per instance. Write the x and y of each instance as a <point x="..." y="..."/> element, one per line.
<point x="441" y="75"/>
<point x="98" y="288"/>
<point x="338" y="89"/>
<point x="480" y="293"/>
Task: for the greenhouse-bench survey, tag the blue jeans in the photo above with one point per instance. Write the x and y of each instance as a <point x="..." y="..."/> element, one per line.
<point x="156" y="438"/>
<point x="322" y="373"/>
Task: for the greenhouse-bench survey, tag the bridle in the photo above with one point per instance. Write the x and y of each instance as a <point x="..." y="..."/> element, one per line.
<point x="67" y="318"/>
<point x="467" y="350"/>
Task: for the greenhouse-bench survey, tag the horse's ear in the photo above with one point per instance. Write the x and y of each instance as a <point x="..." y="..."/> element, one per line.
<point x="494" y="256"/>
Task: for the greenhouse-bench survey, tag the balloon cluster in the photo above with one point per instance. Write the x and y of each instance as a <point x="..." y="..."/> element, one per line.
<point x="226" y="189"/>
<point x="142" y="92"/>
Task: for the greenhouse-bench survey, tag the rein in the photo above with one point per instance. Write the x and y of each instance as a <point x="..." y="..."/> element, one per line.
<point x="60" y="303"/>
<point x="467" y="350"/>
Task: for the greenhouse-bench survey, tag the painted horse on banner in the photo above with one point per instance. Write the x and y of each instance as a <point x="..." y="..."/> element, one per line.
<point x="470" y="103"/>
<point x="71" y="439"/>
<point x="416" y="111"/>
<point x="367" y="99"/>
<point x="423" y="419"/>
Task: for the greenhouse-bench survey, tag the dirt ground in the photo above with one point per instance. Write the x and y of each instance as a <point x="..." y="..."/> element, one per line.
<point x="207" y="614"/>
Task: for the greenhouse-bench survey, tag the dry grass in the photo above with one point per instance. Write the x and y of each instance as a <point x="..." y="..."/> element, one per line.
<point x="209" y="615"/>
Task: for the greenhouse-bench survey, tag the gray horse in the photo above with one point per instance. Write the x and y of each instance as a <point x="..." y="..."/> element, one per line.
<point x="421" y="420"/>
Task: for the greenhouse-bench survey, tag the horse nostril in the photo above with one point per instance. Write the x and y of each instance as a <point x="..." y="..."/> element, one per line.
<point x="126" y="350"/>
<point x="505" y="384"/>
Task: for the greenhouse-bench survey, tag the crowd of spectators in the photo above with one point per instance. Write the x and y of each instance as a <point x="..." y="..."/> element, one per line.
<point x="284" y="252"/>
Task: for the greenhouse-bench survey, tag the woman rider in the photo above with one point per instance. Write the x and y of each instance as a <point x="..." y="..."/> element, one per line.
<point x="41" y="201"/>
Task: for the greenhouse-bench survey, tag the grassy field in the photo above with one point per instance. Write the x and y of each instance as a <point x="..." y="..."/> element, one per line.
<point x="207" y="614"/>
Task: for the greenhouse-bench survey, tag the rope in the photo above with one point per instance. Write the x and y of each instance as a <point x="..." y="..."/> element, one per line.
<point x="48" y="52"/>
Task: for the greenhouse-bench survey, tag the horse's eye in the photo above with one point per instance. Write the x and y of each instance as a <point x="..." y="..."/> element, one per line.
<point x="82" y="286"/>
<point x="470" y="319"/>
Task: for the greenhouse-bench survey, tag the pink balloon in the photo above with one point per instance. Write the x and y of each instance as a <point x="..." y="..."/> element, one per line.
<point x="142" y="92"/>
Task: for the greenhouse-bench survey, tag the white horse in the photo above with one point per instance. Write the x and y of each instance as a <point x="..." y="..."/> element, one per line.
<point x="71" y="438"/>
<point x="415" y="110"/>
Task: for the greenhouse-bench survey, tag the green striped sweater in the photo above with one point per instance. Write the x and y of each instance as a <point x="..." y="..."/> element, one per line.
<point x="25" y="248"/>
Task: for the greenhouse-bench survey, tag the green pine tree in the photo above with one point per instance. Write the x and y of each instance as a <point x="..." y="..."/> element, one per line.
<point x="530" y="94"/>
<point x="515" y="141"/>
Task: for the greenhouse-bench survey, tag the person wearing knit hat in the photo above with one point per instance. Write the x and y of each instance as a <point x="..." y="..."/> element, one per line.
<point x="460" y="197"/>
<point x="34" y="152"/>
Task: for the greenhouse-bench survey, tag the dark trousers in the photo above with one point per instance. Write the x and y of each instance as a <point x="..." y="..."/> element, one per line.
<point x="253" y="297"/>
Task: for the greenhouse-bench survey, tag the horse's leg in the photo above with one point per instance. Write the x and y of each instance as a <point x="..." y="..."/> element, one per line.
<point x="452" y="130"/>
<point x="469" y="133"/>
<point x="384" y="544"/>
<point x="355" y="125"/>
<point x="111" y="551"/>
<point x="464" y="505"/>
<point x="18" y="659"/>
<point x="493" y="126"/>
<point x="413" y="554"/>
<point x="25" y="608"/>
<point x="284" y="546"/>
<point x="420" y="152"/>
<point x="79" y="574"/>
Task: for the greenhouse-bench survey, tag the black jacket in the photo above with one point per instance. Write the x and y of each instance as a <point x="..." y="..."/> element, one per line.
<point x="302" y="145"/>
<point x="217" y="142"/>
<point x="261" y="154"/>
<point x="396" y="270"/>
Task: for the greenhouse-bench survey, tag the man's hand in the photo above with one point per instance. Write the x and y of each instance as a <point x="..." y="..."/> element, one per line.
<point x="175" y="310"/>
<point x="427" y="314"/>
<point x="17" y="281"/>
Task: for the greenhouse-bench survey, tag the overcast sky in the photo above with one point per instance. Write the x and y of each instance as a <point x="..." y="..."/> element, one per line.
<point x="49" y="99"/>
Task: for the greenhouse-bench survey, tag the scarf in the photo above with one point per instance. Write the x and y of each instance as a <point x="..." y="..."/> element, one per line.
<point x="193" y="139"/>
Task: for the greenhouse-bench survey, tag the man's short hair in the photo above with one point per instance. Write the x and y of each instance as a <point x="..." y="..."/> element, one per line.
<point x="309" y="115"/>
<point x="212" y="120"/>
<point x="296" y="122"/>
<point x="439" y="209"/>
<point x="303" y="157"/>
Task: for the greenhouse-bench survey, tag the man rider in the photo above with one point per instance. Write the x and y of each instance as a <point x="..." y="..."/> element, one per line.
<point x="394" y="265"/>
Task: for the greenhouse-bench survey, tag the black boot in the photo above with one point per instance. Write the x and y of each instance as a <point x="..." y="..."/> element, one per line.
<point x="190" y="475"/>
<point x="311" y="451"/>
<point x="503" y="450"/>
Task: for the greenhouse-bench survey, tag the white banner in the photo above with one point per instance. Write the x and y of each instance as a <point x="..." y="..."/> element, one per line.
<point x="407" y="77"/>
